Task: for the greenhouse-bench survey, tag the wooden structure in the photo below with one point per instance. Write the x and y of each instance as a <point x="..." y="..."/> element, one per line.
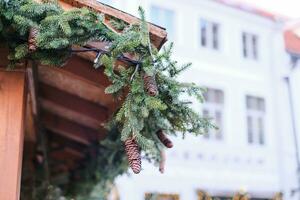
<point x="68" y="105"/>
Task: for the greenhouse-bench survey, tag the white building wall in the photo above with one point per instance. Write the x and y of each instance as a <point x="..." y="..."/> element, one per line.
<point x="227" y="166"/>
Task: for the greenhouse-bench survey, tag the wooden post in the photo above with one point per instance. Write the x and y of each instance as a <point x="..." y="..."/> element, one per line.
<point x="12" y="109"/>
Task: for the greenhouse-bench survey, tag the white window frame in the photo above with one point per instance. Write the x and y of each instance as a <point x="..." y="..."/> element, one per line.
<point x="249" y="47"/>
<point x="258" y="131"/>
<point x="162" y="15"/>
<point x="209" y="34"/>
<point x="213" y="108"/>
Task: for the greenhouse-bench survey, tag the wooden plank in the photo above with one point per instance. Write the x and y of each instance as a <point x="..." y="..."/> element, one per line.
<point x="57" y="142"/>
<point x="158" y="34"/>
<point x="70" y="130"/>
<point x="12" y="107"/>
<point x="84" y="70"/>
<point x="79" y="82"/>
<point x="67" y="154"/>
<point x="72" y="102"/>
<point x="71" y="115"/>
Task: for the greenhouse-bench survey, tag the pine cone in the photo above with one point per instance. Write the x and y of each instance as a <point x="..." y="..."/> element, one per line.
<point x="163" y="138"/>
<point x="32" y="43"/>
<point x="150" y="85"/>
<point x="162" y="162"/>
<point x="133" y="155"/>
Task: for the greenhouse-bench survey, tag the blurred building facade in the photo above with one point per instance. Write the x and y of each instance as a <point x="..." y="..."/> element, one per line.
<point x="240" y="54"/>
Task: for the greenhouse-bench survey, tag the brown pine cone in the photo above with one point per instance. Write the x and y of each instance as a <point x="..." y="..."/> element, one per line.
<point x="133" y="155"/>
<point x="162" y="162"/>
<point x="163" y="138"/>
<point x="32" y="43"/>
<point x="150" y="85"/>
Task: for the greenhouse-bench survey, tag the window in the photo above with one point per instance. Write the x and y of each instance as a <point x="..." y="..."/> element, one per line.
<point x="213" y="108"/>
<point x="108" y="2"/>
<point x="202" y="195"/>
<point x="158" y="196"/>
<point x="250" y="45"/>
<point x="255" y="120"/>
<point x="209" y="34"/>
<point x="163" y="17"/>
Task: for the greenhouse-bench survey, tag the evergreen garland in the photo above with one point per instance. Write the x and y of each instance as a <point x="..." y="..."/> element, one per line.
<point x="153" y="95"/>
<point x="142" y="114"/>
<point x="57" y="29"/>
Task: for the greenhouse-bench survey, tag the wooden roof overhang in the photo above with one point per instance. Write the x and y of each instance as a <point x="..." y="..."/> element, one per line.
<point x="68" y="104"/>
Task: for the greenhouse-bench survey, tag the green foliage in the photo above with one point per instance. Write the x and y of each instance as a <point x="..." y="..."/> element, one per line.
<point x="140" y="115"/>
<point x="118" y="24"/>
<point x="58" y="29"/>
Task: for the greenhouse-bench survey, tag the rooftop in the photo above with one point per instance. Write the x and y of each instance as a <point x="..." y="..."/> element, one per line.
<point x="252" y="9"/>
<point x="292" y="38"/>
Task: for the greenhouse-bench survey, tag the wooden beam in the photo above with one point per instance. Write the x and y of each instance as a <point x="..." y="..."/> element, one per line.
<point x="73" y="103"/>
<point x="158" y="35"/>
<point x="71" y="115"/>
<point x="84" y="70"/>
<point x="32" y="107"/>
<point x="31" y="71"/>
<point x="12" y="107"/>
<point x="57" y="142"/>
<point x="70" y="130"/>
<point x="30" y="126"/>
<point x="79" y="80"/>
<point x="67" y="154"/>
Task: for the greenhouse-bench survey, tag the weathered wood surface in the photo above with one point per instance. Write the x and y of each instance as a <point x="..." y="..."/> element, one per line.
<point x="158" y="35"/>
<point x="71" y="130"/>
<point x="12" y="104"/>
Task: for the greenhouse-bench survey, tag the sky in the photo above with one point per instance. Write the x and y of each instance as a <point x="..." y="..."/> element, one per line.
<point x="290" y="8"/>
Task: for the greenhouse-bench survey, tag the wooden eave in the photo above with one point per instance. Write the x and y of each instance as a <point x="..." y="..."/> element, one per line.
<point x="68" y="104"/>
<point x="158" y="35"/>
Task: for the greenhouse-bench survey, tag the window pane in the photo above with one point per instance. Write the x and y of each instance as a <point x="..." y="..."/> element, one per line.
<point x="163" y="17"/>
<point x="244" y="39"/>
<point x="213" y="108"/>
<point x="250" y="45"/>
<point x="155" y="15"/>
<point x="215" y="31"/>
<point x="206" y="115"/>
<point x="261" y="104"/>
<point x="108" y="2"/>
<point x="255" y="119"/>
<point x="261" y="131"/>
<point x="214" y="96"/>
<point x="205" y="95"/>
<point x="209" y="34"/>
<point x="255" y="103"/>
<point x="169" y="23"/>
<point x="219" y="124"/>
<point x="251" y="103"/>
<point x="254" y="46"/>
<point x="210" y="95"/>
<point x="219" y="96"/>
<point x="250" y="129"/>
<point x="203" y="27"/>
